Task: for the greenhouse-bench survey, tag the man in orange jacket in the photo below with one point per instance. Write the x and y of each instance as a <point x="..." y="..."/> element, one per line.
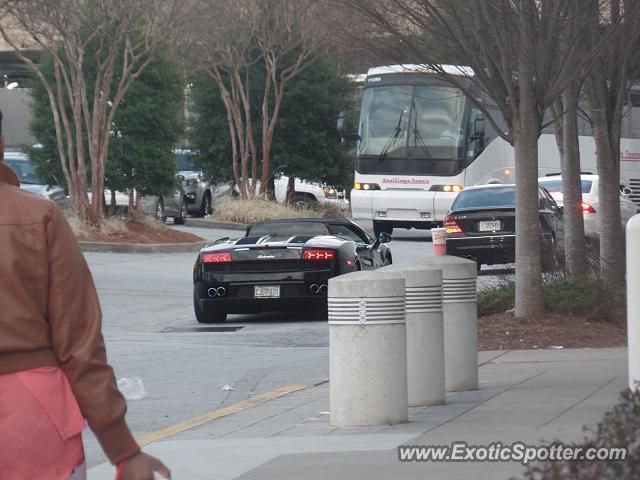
<point x="53" y="366"/>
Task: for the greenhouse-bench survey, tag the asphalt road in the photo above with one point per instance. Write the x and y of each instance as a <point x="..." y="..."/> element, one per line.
<point x="151" y="333"/>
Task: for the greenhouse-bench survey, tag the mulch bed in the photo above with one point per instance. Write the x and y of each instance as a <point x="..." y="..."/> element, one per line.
<point x="141" y="233"/>
<point x="504" y="332"/>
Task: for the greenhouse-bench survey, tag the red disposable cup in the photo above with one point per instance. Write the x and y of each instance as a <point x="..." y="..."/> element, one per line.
<point x="439" y="238"/>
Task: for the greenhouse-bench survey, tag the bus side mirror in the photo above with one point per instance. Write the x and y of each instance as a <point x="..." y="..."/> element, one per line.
<point x="479" y="126"/>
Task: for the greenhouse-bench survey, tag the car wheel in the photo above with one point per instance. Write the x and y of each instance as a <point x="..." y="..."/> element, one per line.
<point x="303" y="201"/>
<point x="203" y="317"/>
<point x="159" y="214"/>
<point x="205" y="206"/>
<point x="381" y="227"/>
<point x="550" y="257"/>
<point x="182" y="219"/>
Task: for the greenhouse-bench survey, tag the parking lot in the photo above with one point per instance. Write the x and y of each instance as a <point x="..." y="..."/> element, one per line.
<point x="149" y="321"/>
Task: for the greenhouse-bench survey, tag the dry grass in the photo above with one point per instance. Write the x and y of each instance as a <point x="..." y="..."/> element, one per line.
<point x="237" y="210"/>
<point x="120" y="230"/>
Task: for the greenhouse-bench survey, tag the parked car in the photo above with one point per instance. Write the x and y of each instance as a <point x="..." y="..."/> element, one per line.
<point x="170" y="206"/>
<point x="280" y="265"/>
<point x="310" y="193"/>
<point x="590" y="202"/>
<point x="481" y="226"/>
<point x="31" y="181"/>
<point x="200" y="191"/>
<point x="307" y="194"/>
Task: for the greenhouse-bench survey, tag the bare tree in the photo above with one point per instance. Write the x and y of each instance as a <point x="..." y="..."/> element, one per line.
<point x="511" y="46"/>
<point x="230" y="38"/>
<point x="615" y="24"/>
<point x="125" y="35"/>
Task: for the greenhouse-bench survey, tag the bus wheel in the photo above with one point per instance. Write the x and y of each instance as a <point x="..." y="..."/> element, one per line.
<point x="381" y="227"/>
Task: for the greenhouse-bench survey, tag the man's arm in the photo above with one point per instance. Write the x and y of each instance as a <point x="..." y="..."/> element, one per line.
<point x="76" y="321"/>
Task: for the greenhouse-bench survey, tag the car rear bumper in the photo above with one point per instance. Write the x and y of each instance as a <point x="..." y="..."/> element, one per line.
<point x="239" y="297"/>
<point x="484" y="249"/>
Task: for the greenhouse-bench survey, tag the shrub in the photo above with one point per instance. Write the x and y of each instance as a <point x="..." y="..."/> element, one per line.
<point x="257" y="210"/>
<point x="588" y="296"/>
<point x="497" y="299"/>
<point x="619" y="428"/>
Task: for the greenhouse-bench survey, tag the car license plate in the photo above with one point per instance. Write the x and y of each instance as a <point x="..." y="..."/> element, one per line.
<point x="490" y="225"/>
<point x="270" y="291"/>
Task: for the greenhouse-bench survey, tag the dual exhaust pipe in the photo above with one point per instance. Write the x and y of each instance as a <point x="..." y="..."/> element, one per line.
<point x="315" y="289"/>
<point x="217" y="292"/>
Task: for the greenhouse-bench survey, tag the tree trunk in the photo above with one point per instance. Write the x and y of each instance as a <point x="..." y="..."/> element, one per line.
<point x="291" y="191"/>
<point x="575" y="248"/>
<point x="612" y="253"/>
<point x="112" y="203"/>
<point x="529" y="292"/>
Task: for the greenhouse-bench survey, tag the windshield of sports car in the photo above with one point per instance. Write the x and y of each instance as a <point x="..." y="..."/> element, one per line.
<point x="293" y="228"/>
<point x="25" y="170"/>
<point x="483" y="198"/>
<point x="412" y="129"/>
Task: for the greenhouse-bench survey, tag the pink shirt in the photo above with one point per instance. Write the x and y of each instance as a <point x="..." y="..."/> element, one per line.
<point x="40" y="426"/>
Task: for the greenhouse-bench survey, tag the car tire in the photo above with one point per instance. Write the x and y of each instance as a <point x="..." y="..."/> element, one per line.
<point x="303" y="200"/>
<point x="182" y="219"/>
<point x="203" y="317"/>
<point x="205" y="206"/>
<point x="381" y="227"/>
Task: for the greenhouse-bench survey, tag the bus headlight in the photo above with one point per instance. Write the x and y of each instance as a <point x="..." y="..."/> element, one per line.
<point x="446" y="188"/>
<point x="366" y="186"/>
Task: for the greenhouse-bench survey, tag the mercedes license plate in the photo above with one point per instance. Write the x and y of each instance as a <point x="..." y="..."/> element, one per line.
<point x="490" y="226"/>
<point x="267" y="291"/>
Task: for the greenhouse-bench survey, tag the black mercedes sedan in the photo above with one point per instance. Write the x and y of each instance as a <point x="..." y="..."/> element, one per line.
<point x="481" y="226"/>
<point x="281" y="265"/>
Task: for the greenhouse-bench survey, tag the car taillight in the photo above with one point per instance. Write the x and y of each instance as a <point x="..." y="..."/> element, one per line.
<point x="219" y="257"/>
<point x="452" y="226"/>
<point x="446" y="188"/>
<point x="587" y="208"/>
<point x="318" y="255"/>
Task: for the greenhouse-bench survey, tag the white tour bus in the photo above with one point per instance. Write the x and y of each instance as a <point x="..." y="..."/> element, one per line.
<point x="421" y="141"/>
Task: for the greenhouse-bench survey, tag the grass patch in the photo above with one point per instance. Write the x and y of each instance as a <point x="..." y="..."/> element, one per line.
<point x="588" y="297"/>
<point x="252" y="210"/>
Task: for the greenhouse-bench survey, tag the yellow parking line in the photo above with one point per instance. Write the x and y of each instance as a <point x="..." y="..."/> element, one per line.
<point x="223" y="412"/>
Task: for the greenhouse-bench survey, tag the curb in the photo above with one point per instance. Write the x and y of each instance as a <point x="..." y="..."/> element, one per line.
<point x="106" y="247"/>
<point x="195" y="222"/>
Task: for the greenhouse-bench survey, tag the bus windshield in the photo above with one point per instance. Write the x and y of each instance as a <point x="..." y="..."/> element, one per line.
<point x="412" y="130"/>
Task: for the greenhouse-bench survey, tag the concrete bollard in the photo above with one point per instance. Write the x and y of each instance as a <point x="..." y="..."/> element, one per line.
<point x="633" y="300"/>
<point x="439" y="240"/>
<point x="460" y="316"/>
<point x="425" y="335"/>
<point x="367" y="350"/>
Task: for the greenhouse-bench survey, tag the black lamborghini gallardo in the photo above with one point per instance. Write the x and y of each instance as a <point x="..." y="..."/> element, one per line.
<point x="281" y="265"/>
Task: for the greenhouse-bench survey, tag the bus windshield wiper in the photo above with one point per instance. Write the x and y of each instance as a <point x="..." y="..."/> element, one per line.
<point x="391" y="140"/>
<point x="418" y="141"/>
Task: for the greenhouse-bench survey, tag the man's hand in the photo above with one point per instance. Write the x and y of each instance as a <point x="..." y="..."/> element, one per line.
<point x="142" y="467"/>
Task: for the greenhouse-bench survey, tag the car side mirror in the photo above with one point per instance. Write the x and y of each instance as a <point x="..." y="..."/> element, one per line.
<point x="180" y="178"/>
<point x="627" y="191"/>
<point x="384" y="237"/>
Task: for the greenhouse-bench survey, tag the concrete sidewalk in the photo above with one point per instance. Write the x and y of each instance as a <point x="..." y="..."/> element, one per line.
<point x="531" y="396"/>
